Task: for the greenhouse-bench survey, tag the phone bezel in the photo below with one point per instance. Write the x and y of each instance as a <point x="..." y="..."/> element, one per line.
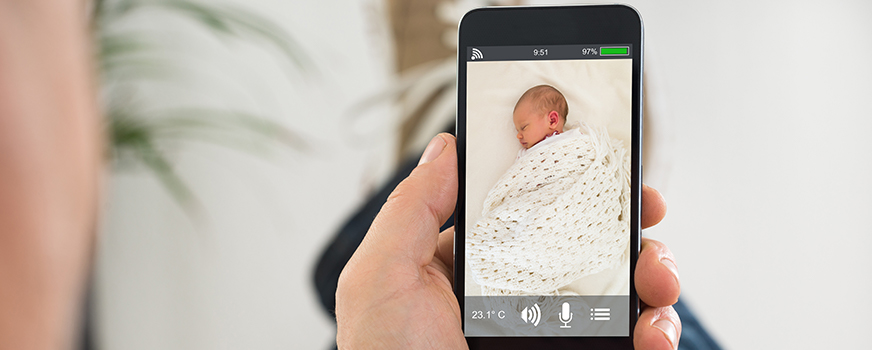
<point x="551" y="25"/>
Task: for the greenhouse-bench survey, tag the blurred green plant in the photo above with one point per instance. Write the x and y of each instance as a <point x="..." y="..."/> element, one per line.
<point x="126" y="57"/>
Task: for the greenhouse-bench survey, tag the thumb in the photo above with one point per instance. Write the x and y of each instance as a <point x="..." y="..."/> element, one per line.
<point x="408" y="224"/>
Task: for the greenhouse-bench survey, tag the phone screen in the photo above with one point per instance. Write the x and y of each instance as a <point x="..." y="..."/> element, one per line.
<point x="547" y="194"/>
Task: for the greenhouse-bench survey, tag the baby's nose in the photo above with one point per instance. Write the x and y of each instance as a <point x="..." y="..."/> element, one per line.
<point x="519" y="136"/>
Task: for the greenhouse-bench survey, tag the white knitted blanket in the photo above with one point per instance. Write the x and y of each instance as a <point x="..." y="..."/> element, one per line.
<point x="559" y="213"/>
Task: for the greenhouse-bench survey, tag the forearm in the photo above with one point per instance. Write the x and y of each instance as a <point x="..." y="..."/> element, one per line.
<point x="50" y="155"/>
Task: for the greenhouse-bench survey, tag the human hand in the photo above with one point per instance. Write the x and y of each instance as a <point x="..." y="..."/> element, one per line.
<point x="396" y="291"/>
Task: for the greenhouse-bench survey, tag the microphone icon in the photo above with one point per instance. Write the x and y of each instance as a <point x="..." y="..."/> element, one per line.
<point x="565" y="316"/>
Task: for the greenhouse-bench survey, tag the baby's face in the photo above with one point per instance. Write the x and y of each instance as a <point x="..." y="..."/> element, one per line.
<point x="533" y="126"/>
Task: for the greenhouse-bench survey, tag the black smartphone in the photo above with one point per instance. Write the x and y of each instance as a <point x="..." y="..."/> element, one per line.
<point x="549" y="159"/>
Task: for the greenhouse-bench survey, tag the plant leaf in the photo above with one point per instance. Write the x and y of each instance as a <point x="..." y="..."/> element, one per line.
<point x="235" y="21"/>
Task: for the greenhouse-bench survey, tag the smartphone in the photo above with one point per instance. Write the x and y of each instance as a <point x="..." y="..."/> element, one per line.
<point x="549" y="160"/>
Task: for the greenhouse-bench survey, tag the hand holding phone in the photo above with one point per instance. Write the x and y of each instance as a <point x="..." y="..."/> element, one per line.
<point x="395" y="293"/>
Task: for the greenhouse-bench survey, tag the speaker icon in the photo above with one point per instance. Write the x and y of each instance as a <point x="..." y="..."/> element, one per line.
<point x="476" y="54"/>
<point x="534" y="315"/>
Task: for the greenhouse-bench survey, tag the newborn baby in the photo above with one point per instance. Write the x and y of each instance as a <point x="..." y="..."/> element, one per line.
<point x="540" y="114"/>
<point x="559" y="213"/>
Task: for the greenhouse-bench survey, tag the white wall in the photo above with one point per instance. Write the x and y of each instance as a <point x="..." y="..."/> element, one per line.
<point x="763" y="154"/>
<point x="240" y="275"/>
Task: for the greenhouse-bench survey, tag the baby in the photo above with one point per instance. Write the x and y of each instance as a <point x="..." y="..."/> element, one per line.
<point x="556" y="214"/>
<point x="540" y="113"/>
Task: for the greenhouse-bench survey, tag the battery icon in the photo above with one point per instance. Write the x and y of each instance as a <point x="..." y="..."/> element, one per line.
<point x="615" y="51"/>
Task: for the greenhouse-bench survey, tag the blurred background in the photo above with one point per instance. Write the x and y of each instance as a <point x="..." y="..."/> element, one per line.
<point x="244" y="134"/>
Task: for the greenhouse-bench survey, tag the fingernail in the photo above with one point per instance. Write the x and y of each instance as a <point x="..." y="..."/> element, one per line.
<point x="433" y="150"/>
<point x="668" y="328"/>
<point x="670" y="265"/>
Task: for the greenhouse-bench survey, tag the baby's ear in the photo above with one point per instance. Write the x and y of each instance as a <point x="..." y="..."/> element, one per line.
<point x="553" y="118"/>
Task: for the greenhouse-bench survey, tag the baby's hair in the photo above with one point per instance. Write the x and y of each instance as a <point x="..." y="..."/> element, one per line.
<point x="548" y="99"/>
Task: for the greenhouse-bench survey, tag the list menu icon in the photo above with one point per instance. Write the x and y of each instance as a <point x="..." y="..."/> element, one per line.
<point x="600" y="314"/>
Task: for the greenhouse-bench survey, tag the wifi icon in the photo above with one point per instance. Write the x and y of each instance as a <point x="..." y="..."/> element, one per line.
<point x="476" y="54"/>
<point x="534" y="315"/>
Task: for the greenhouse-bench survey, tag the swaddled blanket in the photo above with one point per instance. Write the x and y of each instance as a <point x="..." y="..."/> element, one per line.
<point x="559" y="213"/>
